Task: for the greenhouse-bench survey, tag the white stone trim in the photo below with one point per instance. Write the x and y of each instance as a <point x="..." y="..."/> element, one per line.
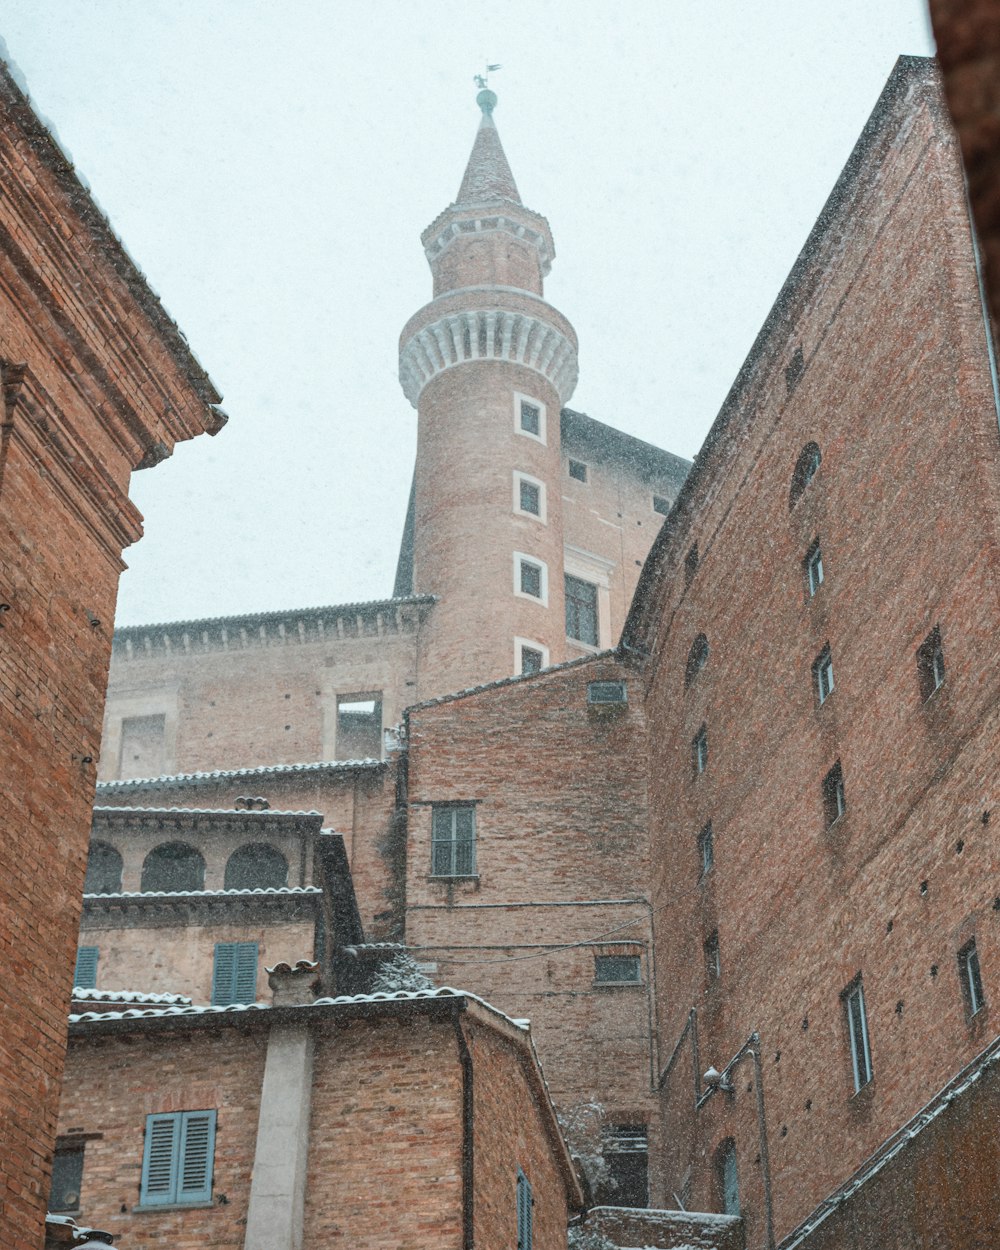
<point x="543" y="599"/>
<point x="542" y="435"/>
<point x="542" y="514"/>
<point x="488" y="224"/>
<point x="520" y="644"/>
<point x="488" y="334"/>
<point x="590" y="567"/>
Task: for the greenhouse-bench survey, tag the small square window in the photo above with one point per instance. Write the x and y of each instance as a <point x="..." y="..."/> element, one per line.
<point x="823" y="675"/>
<point x="453" y="841"/>
<point x="699" y="750"/>
<point x="834" y="802"/>
<point x="706" y="849"/>
<point x="530" y="495"/>
<point x="661" y="505"/>
<point x="930" y="663"/>
<point x="713" y="963"/>
<point x="578" y="470"/>
<point x="617" y="968"/>
<point x="531" y="579"/>
<point x="532" y="660"/>
<point x="531" y="418"/>
<point x="67" y="1177"/>
<point x="857" y="1030"/>
<point x="972" y="982"/>
<point x="814" y="568"/>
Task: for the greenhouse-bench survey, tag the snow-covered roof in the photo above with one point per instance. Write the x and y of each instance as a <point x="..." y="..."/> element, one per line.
<point x="81" y="995"/>
<point x="227" y="774"/>
<point x="231" y="813"/>
<point x="270" y="891"/>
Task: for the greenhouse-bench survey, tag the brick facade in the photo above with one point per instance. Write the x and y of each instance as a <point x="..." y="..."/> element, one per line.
<point x="96" y="381"/>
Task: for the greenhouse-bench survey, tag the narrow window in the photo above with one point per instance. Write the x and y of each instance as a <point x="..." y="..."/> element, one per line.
<point x="972" y="982"/>
<point x="691" y="561"/>
<point x="727" y="1178"/>
<point x="626" y="1152"/>
<point x="713" y="963"/>
<point x="661" y="505"/>
<point x="532" y="661"/>
<point x="578" y="470"/>
<point x="581" y="611"/>
<point x="234" y="973"/>
<point x="806" y="468"/>
<point x="178" y="1158"/>
<point x="834" y="802"/>
<point x="814" y="568"/>
<point x="531" y="418"/>
<point x="85" y="972"/>
<point x="359" y="725"/>
<point x="823" y="675"/>
<point x="697" y="659"/>
<point x="930" y="663"/>
<point x="706" y="849"/>
<point x="617" y="969"/>
<point x="67" y="1176"/>
<point x="699" y="750"/>
<point x="453" y="841"/>
<point x="531" y="579"/>
<point x="857" y="1030"/>
<point x="524" y="1212"/>
<point x="530" y="497"/>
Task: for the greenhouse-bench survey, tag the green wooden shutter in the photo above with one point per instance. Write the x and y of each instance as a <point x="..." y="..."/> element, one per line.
<point x="85" y="973"/>
<point x="223" y="973"/>
<point x="159" y="1160"/>
<point x="197" y="1155"/>
<point x="245" y="973"/>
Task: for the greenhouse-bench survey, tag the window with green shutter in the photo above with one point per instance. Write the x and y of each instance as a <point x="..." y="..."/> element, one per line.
<point x="524" y="1213"/>
<point x="85" y="973"/>
<point x="234" y="975"/>
<point x="178" y="1158"/>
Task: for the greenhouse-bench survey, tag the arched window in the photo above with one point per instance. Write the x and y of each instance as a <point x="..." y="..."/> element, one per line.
<point x="697" y="659"/>
<point x="805" y="470"/>
<point x="173" y="866"/>
<point x="727" y="1178"/>
<point x="256" y="866"/>
<point x="104" y="870"/>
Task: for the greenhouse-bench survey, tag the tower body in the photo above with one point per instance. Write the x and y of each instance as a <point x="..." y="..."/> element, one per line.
<point x="488" y="364"/>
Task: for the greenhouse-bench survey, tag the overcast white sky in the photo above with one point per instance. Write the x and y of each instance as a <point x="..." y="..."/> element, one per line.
<point x="271" y="166"/>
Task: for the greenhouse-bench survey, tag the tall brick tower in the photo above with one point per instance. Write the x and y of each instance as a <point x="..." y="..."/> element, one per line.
<point x="488" y="365"/>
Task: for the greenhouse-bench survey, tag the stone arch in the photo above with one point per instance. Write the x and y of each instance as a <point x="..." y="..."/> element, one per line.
<point x="256" y="866"/>
<point x="104" y="870"/>
<point x="173" y="866"/>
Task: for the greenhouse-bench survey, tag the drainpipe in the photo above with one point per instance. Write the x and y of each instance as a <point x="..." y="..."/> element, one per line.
<point x="724" y="1082"/>
<point x="468" y="1138"/>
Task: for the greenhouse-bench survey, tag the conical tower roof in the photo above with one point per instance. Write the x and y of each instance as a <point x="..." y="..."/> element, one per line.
<point x="487" y="175"/>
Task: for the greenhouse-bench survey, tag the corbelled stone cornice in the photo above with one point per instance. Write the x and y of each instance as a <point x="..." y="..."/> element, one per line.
<point x="467" y="336"/>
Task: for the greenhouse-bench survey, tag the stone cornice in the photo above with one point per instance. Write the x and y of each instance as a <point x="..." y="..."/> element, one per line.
<point x="471" y="335"/>
<point x="514" y="219"/>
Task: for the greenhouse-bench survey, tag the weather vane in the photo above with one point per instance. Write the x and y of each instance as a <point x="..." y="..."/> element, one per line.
<point x="482" y="80"/>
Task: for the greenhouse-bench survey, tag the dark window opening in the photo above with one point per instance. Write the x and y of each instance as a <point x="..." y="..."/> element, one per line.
<point x="691" y="561"/>
<point x="530" y="497"/>
<point x="617" y="968"/>
<point x="805" y="470"/>
<point x="699" y="750"/>
<point x="972" y="982"/>
<point x="823" y="675"/>
<point x="359" y="726"/>
<point x="713" y="961"/>
<point x="532" y="660"/>
<point x="175" y="867"/>
<point x="581" y="611"/>
<point x="706" y="849"/>
<point x="697" y="659"/>
<point x="525" y="1215"/>
<point x="67" y="1177"/>
<point x="256" y="866"/>
<point x="531" y="418"/>
<point x="661" y="505"/>
<point x="626" y="1152"/>
<point x="104" y="870"/>
<point x="930" y="664"/>
<point x="607" y="692"/>
<point x="814" y="568"/>
<point x="531" y="579"/>
<point x="578" y="470"/>
<point x="857" y="1031"/>
<point x="727" y="1178"/>
<point x="834" y="800"/>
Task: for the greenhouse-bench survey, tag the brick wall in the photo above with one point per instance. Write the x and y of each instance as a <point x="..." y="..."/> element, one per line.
<point x="896" y="391"/>
<point x="95" y="381"/>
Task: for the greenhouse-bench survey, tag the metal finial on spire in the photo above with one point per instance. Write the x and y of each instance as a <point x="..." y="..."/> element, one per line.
<point x="486" y="99"/>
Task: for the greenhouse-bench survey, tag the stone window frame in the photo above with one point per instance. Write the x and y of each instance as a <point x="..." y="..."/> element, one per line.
<point x="587" y="566"/>
<point x="858" y="1036"/>
<point x="542" y="435"/>
<point x="971" y="977"/>
<point x="522" y="557"/>
<point x="541" y="515"/>
<point x="528" y="644"/>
